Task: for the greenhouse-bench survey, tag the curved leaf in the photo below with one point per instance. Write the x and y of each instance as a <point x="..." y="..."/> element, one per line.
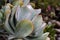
<point x="12" y="16"/>
<point x="38" y="25"/>
<point x="44" y="36"/>
<point x="7" y="13"/>
<point x="7" y="26"/>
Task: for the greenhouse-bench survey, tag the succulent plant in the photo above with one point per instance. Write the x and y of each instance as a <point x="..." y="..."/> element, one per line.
<point x="24" y="22"/>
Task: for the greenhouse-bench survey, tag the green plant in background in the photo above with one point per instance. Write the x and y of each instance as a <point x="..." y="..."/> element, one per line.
<point x="23" y="22"/>
<point x="50" y="28"/>
<point x="45" y="3"/>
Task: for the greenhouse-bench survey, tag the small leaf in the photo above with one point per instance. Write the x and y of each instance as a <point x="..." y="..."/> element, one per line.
<point x="26" y="2"/>
<point x="48" y="38"/>
<point x="38" y="11"/>
<point x="44" y="36"/>
<point x="7" y="9"/>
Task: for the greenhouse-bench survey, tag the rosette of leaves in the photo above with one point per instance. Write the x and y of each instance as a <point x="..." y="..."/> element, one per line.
<point x="23" y="22"/>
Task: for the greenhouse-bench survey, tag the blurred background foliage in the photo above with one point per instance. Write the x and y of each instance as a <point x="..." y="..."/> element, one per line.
<point x="50" y="28"/>
<point x="38" y="3"/>
<point x="45" y="3"/>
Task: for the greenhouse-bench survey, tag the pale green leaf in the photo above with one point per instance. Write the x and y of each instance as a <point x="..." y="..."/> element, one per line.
<point x="26" y="13"/>
<point x="12" y="16"/>
<point x="39" y="25"/>
<point x="24" y="28"/>
<point x="44" y="36"/>
<point x="7" y="26"/>
<point x="26" y="2"/>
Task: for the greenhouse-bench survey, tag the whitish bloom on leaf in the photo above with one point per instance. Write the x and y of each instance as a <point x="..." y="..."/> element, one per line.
<point x="23" y="21"/>
<point x="26" y="12"/>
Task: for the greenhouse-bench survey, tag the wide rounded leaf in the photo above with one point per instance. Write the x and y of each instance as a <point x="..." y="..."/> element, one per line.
<point x="24" y="28"/>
